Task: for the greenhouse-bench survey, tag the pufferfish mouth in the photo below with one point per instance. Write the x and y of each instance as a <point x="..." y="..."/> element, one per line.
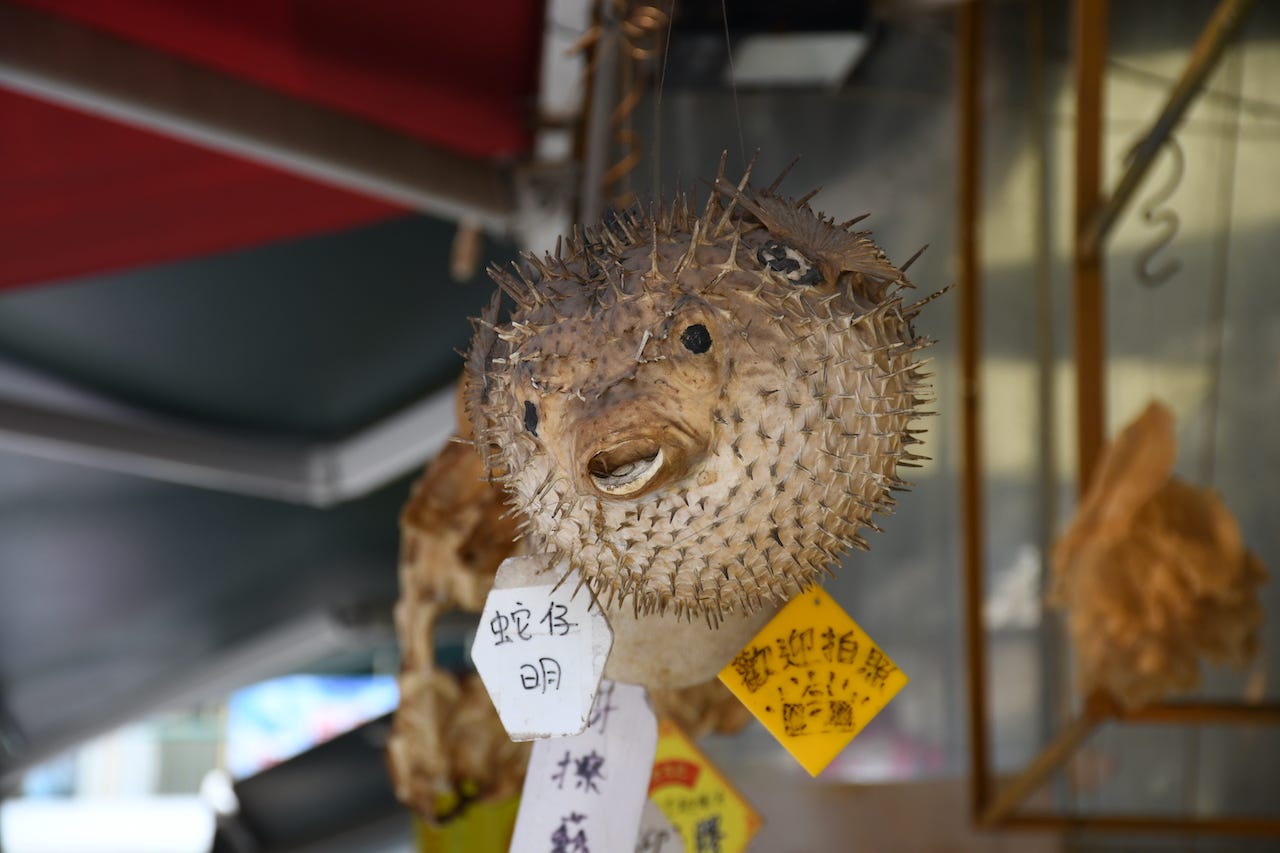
<point x="627" y="468"/>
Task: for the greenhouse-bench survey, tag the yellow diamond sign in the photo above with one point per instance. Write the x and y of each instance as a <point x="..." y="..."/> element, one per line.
<point x="813" y="678"/>
<point x="700" y="803"/>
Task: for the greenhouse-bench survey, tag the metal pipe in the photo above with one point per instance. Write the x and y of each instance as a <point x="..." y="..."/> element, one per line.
<point x="1230" y="825"/>
<point x="1204" y="713"/>
<point x="1100" y="707"/>
<point x="305" y="472"/>
<point x="1091" y="18"/>
<point x="968" y="168"/>
<point x="1223" y="25"/>
<point x="1052" y="655"/>
<point x="1033" y="776"/>
<point x="45" y="57"/>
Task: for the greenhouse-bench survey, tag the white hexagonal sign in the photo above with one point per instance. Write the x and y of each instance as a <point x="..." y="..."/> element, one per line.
<point x="540" y="650"/>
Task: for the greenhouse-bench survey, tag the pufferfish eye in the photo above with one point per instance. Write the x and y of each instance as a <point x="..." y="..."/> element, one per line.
<point x="696" y="338"/>
<point x="531" y="418"/>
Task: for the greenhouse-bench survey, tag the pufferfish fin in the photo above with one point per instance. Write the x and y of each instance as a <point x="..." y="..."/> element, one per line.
<point x="833" y="249"/>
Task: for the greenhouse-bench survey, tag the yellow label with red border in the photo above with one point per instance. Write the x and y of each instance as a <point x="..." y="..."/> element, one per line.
<point x="701" y="804"/>
<point x="813" y="678"/>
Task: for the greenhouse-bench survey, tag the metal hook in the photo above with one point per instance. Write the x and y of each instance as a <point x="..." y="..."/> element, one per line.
<point x="1155" y="212"/>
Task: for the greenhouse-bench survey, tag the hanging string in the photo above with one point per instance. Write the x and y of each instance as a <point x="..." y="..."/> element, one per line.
<point x="655" y="182"/>
<point x="733" y="83"/>
<point x="1233" y="64"/>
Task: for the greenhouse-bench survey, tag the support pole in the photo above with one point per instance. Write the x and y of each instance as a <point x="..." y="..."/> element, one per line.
<point x="1146" y="824"/>
<point x="969" y="178"/>
<point x="1205" y="713"/>
<point x="1091" y="17"/>
<point x="1059" y="750"/>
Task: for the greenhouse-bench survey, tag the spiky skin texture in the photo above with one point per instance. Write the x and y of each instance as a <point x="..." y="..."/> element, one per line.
<point x="764" y="351"/>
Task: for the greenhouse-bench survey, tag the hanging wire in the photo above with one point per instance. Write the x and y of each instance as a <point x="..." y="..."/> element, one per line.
<point x="733" y="83"/>
<point x="656" y="160"/>
<point x="1233" y="70"/>
<point x="1233" y="65"/>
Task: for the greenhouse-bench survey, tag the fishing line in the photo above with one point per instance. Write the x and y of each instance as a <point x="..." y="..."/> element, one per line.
<point x="1233" y="64"/>
<point x="733" y="82"/>
<point x="656" y="181"/>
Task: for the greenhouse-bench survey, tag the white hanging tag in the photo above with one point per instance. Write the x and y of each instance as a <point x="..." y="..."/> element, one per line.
<point x="586" y="792"/>
<point x="657" y="834"/>
<point x="540" y="651"/>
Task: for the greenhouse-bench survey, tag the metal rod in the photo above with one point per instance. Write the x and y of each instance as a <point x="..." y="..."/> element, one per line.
<point x="1227" y="18"/>
<point x="1090" y="318"/>
<point x="46" y="57"/>
<point x="1033" y="776"/>
<point x="1228" y="713"/>
<point x="1230" y="825"/>
<point x="969" y="145"/>
<point x="1100" y="707"/>
<point x="319" y="474"/>
<point x="1052" y="656"/>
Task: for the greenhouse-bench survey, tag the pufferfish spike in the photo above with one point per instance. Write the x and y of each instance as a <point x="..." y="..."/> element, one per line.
<point x="911" y="311"/>
<point x="777" y="182"/>
<point x="734" y="193"/>
<point x="689" y="254"/>
<point x="515" y="286"/>
<point x="534" y="262"/>
<point x="807" y="197"/>
<point x="911" y="260"/>
<point x="576" y="243"/>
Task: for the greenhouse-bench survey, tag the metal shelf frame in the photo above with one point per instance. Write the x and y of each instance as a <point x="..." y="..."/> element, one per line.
<point x="996" y="806"/>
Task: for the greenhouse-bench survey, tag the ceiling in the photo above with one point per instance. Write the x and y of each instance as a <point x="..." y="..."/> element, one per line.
<point x="181" y="315"/>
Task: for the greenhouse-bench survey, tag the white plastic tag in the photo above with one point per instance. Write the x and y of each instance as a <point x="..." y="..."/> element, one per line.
<point x="586" y="792"/>
<point x="540" y="654"/>
<point x="657" y="834"/>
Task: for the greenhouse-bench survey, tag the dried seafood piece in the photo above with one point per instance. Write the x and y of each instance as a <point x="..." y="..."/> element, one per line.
<point x="447" y="745"/>
<point x="454" y="532"/>
<point x="1154" y="574"/>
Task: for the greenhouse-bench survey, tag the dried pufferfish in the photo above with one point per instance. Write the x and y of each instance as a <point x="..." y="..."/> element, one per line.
<point x="701" y="411"/>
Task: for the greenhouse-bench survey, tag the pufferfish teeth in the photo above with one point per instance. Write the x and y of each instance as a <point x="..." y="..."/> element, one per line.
<point x="629" y="478"/>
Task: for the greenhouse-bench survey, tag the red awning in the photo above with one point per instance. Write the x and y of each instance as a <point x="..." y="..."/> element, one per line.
<point x="83" y="195"/>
